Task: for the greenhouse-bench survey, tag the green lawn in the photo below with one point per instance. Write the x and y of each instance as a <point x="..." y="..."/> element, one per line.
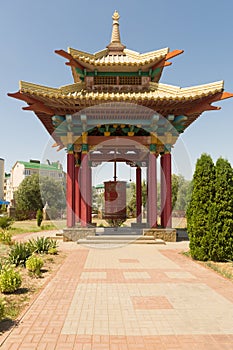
<point x="20" y="227"/>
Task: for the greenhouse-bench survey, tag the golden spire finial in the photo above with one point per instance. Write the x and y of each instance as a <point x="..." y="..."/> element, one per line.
<point x="115" y="28"/>
<point x="115" y="47"/>
<point x="116" y="16"/>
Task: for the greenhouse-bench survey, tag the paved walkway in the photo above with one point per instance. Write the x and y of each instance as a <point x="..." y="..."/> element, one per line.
<point x="128" y="298"/>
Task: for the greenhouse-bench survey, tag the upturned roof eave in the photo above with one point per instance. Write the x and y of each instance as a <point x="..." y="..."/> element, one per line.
<point x="131" y="60"/>
<point x="74" y="91"/>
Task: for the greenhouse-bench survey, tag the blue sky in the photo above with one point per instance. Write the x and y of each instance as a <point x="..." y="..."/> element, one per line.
<point x="30" y="31"/>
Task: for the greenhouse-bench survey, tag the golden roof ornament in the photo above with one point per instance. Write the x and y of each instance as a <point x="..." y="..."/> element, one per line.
<point x="116" y="16"/>
<point x="115" y="29"/>
<point x="116" y="47"/>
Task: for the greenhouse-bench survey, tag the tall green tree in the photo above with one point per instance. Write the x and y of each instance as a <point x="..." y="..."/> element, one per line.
<point x="183" y="194"/>
<point x="131" y="200"/>
<point x="27" y="197"/>
<point x="35" y="191"/>
<point x="202" y="197"/>
<point x="175" y="188"/>
<point x="144" y="193"/>
<point x="53" y="192"/>
<point x="179" y="189"/>
<point x="188" y="194"/>
<point x="221" y="214"/>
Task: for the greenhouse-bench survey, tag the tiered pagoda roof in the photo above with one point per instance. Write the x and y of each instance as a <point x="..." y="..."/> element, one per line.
<point x="117" y="74"/>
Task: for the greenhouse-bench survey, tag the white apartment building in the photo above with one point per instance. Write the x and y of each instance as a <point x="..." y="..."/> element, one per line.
<point x="8" y="193"/>
<point x="99" y="189"/>
<point x="22" y="169"/>
<point x="2" y="176"/>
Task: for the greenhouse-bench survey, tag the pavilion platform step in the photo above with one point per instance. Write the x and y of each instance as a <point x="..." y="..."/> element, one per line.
<point x="147" y="241"/>
<point x="115" y="237"/>
<point x="56" y="238"/>
<point x="60" y="234"/>
<point x="119" y="231"/>
<point x="119" y="240"/>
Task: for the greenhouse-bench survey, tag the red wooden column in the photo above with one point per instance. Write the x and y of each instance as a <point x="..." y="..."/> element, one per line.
<point x="89" y="194"/>
<point x="152" y="187"/>
<point x="139" y="194"/>
<point x="147" y="200"/>
<point x="70" y="190"/>
<point x="84" y="183"/>
<point x="77" y="186"/>
<point x="166" y="190"/>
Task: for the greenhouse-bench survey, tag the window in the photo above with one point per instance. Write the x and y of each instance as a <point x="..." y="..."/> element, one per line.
<point x="121" y="80"/>
<point x="130" y="81"/>
<point x="105" y="80"/>
<point x="27" y="172"/>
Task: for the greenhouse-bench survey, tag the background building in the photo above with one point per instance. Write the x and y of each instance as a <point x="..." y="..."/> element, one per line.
<point x="8" y="192"/>
<point x="22" y="169"/>
<point x="2" y="175"/>
<point x="99" y="189"/>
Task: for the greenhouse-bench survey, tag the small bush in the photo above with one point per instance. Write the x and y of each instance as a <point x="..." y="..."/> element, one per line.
<point x="53" y="244"/>
<point x="10" y="280"/>
<point x="5" y="222"/>
<point x="6" y="237"/>
<point x="2" y="309"/>
<point x="39" y="217"/>
<point x="48" y="227"/>
<point x="34" y="265"/>
<point x="19" y="253"/>
<point x="41" y="244"/>
<point x="52" y="251"/>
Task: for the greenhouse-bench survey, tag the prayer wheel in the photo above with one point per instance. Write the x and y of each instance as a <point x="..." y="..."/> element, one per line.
<point x="115" y="200"/>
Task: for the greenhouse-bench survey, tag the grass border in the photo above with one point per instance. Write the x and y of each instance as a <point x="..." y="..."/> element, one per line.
<point x="211" y="265"/>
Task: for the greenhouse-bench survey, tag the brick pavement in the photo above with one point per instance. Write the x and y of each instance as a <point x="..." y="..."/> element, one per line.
<point x="132" y="297"/>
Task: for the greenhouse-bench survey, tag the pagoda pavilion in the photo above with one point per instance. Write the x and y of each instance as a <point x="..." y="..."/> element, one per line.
<point x="117" y="110"/>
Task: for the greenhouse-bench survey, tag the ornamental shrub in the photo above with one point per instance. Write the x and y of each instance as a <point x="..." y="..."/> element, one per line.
<point x="19" y="253"/>
<point x="6" y="237"/>
<point x="34" y="265"/>
<point x="39" y="217"/>
<point x="52" y="251"/>
<point x="10" y="280"/>
<point x="198" y="209"/>
<point x="5" y="222"/>
<point x="2" y="309"/>
<point x="220" y="236"/>
<point x="41" y="244"/>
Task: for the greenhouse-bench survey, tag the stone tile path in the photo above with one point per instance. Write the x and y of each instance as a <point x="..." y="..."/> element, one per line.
<point x="127" y="298"/>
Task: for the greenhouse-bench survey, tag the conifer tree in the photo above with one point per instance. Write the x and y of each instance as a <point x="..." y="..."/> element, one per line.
<point x="175" y="189"/>
<point x="198" y="208"/>
<point x="221" y="214"/>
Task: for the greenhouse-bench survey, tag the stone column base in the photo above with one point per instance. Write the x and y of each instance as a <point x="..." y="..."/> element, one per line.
<point x="75" y="233"/>
<point x="167" y="234"/>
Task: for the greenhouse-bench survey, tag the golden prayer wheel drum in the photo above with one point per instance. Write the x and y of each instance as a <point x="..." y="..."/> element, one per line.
<point x="115" y="200"/>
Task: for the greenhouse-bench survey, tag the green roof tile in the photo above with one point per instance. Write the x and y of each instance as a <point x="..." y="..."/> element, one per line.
<point x="41" y="166"/>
